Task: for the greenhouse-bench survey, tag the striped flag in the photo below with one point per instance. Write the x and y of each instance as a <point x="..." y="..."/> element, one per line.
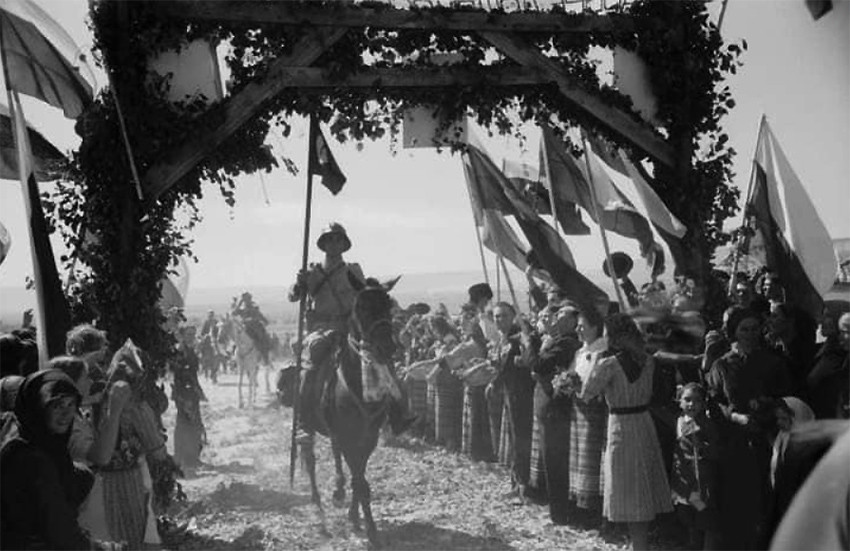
<point x="570" y="182"/>
<point x="797" y="245"/>
<point x="54" y="318"/>
<point x="550" y="252"/>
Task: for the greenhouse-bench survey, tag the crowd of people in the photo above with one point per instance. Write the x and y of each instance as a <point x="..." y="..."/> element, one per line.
<point x="624" y="417"/>
<point x="81" y="436"/>
<point x="607" y="417"/>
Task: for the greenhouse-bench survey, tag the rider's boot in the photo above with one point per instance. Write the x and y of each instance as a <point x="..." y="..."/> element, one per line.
<point x="305" y="425"/>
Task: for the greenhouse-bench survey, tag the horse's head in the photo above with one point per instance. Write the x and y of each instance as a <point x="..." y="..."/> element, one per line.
<point x="371" y="317"/>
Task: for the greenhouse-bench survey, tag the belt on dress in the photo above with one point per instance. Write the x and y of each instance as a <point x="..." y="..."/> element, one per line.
<point x="629" y="410"/>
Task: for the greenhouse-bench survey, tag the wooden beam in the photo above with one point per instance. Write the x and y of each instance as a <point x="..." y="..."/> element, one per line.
<point x="642" y="136"/>
<point x="341" y="14"/>
<point x="238" y="110"/>
<point x="319" y="79"/>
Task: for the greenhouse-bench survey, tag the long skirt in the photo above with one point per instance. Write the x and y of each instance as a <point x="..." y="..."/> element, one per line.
<point x="636" y="487"/>
<point x="519" y="401"/>
<point x="417" y="399"/>
<point x="475" y="440"/>
<point x="556" y="452"/>
<point x="588" y="434"/>
<point x="506" y="443"/>
<point x="495" y="405"/>
<point x="537" y="469"/>
<point x="431" y="410"/>
<point x="125" y="500"/>
<point x="188" y="441"/>
<point x="448" y="408"/>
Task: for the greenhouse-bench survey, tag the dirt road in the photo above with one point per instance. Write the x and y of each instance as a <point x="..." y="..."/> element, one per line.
<point x="422" y="496"/>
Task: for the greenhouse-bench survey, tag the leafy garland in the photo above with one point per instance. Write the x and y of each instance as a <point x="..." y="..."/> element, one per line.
<point x="118" y="268"/>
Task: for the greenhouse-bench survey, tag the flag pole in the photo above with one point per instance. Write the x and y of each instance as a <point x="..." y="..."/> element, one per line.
<point x="509" y="282"/>
<point x="599" y="221"/>
<point x="743" y="240"/>
<point x="302" y="303"/>
<point x="475" y="224"/>
<point x="127" y="147"/>
<point x="498" y="278"/>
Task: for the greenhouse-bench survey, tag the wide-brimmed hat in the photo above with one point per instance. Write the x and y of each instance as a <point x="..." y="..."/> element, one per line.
<point x="622" y="263"/>
<point x="333" y="229"/>
<point x="480" y="291"/>
<point x="419" y="308"/>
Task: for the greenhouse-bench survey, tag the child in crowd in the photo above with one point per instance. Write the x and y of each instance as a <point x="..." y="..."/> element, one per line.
<point x="695" y="468"/>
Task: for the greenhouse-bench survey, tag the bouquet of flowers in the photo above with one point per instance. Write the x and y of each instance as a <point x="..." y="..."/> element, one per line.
<point x="566" y="383"/>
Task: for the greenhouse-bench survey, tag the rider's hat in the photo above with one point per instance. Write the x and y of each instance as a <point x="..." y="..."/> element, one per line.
<point x="622" y="264"/>
<point x="333" y="229"/>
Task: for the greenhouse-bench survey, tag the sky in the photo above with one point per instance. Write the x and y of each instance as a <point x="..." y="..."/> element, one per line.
<point x="407" y="211"/>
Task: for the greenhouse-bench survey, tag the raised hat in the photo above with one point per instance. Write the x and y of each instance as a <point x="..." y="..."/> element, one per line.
<point x="479" y="291"/>
<point x="622" y="264"/>
<point x="333" y="229"/>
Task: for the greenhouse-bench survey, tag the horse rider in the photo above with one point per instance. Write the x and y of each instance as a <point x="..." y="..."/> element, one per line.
<point x="255" y="323"/>
<point x="210" y="327"/>
<point x="330" y="300"/>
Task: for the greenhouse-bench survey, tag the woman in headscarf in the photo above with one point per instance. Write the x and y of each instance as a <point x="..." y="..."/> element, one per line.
<point x="41" y="487"/>
<point x="742" y="385"/>
<point x="126" y="479"/>
<point x="635" y="482"/>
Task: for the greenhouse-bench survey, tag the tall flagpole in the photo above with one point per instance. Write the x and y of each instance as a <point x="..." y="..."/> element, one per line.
<point x="509" y="282"/>
<point x="498" y="277"/>
<point x="599" y="221"/>
<point x="465" y="156"/>
<point x="302" y="303"/>
<point x="744" y="239"/>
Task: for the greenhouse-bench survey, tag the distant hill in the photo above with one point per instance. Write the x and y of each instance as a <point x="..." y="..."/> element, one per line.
<point x="449" y="288"/>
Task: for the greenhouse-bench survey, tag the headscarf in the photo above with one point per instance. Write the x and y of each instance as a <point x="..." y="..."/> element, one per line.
<point x="618" y="327"/>
<point x="9" y="387"/>
<point x="801" y="411"/>
<point x="38" y="390"/>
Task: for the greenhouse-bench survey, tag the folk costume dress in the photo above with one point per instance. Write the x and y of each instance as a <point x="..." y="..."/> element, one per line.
<point x="551" y="423"/>
<point x="742" y="383"/>
<point x="514" y="376"/>
<point x="588" y="433"/>
<point x="125" y="496"/>
<point x="189" y="432"/>
<point x="635" y="483"/>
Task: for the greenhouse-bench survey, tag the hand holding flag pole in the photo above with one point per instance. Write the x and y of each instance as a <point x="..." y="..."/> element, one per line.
<point x="320" y="161"/>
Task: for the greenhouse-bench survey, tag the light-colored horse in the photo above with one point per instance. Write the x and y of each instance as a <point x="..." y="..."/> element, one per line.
<point x="247" y="355"/>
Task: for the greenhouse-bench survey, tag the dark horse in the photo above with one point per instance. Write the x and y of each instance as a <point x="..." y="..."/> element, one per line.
<point x="351" y="423"/>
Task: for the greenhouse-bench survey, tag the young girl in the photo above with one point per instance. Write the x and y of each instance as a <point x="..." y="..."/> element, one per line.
<point x="695" y="468"/>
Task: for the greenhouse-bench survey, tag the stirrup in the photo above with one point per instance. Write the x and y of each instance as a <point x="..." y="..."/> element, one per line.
<point x="304" y="438"/>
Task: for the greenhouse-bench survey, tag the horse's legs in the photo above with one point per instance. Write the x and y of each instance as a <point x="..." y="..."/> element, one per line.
<point x="241" y="372"/>
<point x="308" y="456"/>
<point x="339" y="492"/>
<point x="363" y="496"/>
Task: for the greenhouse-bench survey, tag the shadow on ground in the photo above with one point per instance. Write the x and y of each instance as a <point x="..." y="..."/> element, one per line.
<point x="252" y="538"/>
<point x="230" y="468"/>
<point x="422" y="535"/>
<point x="251" y="497"/>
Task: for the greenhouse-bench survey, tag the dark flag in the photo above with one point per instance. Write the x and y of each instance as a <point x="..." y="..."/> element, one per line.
<point x="322" y="162"/>
<point x="53" y="313"/>
<point x="797" y="245"/>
